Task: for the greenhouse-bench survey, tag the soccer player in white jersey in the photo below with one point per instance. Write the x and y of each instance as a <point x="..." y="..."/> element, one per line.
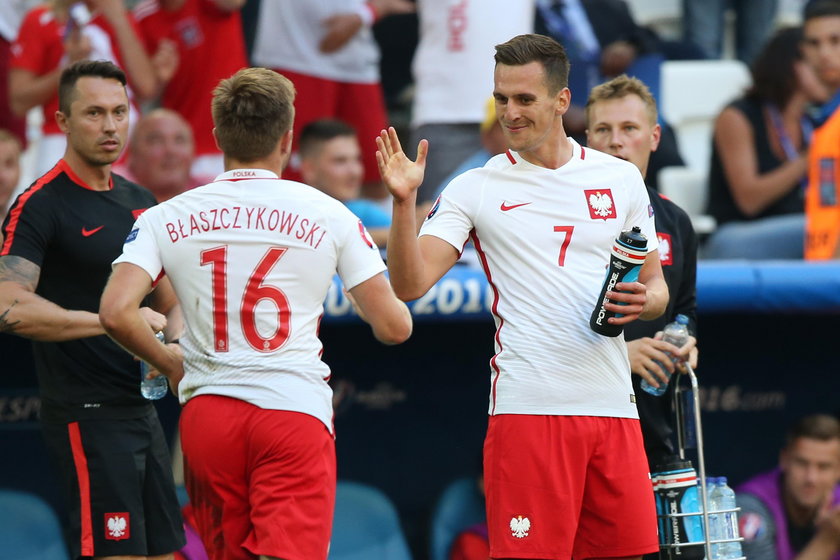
<point x="251" y="257"/>
<point x="564" y="465"/>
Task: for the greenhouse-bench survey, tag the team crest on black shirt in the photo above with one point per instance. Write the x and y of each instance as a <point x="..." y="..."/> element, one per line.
<point x="666" y="254"/>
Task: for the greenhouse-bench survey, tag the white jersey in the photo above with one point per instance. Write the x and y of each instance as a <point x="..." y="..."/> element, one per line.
<point x="251" y="258"/>
<point x="544" y="237"/>
<point x="453" y="65"/>
<point x="289" y="32"/>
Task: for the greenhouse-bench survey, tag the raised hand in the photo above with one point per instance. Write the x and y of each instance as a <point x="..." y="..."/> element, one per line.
<point x="401" y="175"/>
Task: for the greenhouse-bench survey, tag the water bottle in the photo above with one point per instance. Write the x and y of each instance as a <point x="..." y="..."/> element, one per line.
<point x="727" y="521"/>
<point x="628" y="256"/>
<point x="156" y="387"/>
<point x="681" y="536"/>
<point x="715" y="527"/>
<point x="677" y="334"/>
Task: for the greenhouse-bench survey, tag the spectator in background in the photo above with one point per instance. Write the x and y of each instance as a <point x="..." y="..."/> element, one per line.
<point x="11" y="16"/>
<point x="10" y="150"/>
<point x="53" y="36"/>
<point x="493" y="142"/>
<point x="331" y="161"/>
<point x="207" y="38"/>
<point x="453" y="75"/>
<point x="603" y="41"/>
<point x="793" y="511"/>
<point x="704" y="23"/>
<point x="759" y="158"/>
<point x="821" y="47"/>
<point x="160" y="155"/>
<point x="328" y="51"/>
<point x="621" y="121"/>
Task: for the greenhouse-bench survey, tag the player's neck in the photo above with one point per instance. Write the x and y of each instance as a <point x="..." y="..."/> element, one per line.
<point x="95" y="177"/>
<point x="551" y="154"/>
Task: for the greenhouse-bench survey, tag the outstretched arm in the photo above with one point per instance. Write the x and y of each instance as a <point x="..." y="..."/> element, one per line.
<point x="414" y="265"/>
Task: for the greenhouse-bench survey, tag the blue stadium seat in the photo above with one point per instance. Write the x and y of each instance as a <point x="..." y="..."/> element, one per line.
<point x="366" y="525"/>
<point x="460" y="506"/>
<point x="29" y="528"/>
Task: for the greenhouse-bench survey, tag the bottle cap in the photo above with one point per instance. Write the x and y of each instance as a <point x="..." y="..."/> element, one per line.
<point x="633" y="239"/>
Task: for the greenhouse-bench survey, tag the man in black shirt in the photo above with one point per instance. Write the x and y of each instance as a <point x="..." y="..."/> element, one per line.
<point x="59" y="239"/>
<point x="621" y="121"/>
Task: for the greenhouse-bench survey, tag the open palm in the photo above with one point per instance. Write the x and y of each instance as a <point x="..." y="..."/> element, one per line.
<point x="401" y="175"/>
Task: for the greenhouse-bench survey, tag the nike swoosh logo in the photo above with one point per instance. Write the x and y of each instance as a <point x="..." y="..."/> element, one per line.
<point x="88" y="232"/>
<point x="505" y="207"/>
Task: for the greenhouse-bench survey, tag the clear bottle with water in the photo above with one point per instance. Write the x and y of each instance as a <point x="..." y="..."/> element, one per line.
<point x="675" y="332"/>
<point x="715" y="525"/>
<point x="727" y="520"/>
<point x="156" y="387"/>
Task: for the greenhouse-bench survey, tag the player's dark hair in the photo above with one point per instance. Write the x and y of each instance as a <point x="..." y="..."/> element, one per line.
<point x="821" y="427"/>
<point x="84" y="69"/>
<point x="820" y="8"/>
<point x="316" y="133"/>
<point x="524" y="49"/>
<point x="252" y="110"/>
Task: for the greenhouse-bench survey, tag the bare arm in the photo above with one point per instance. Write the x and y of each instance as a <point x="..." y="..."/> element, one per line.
<point x="378" y="306"/>
<point x="28" y="90"/>
<point x="138" y="65"/>
<point x="26" y="314"/>
<point x="414" y="265"/>
<point x="119" y="311"/>
<point x="751" y="190"/>
<point x="229" y="5"/>
<point x="645" y="299"/>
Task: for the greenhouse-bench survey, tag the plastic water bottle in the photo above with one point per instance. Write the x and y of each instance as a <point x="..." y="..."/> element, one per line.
<point x="715" y="525"/>
<point x="628" y="256"/>
<point x="728" y="521"/>
<point x="677" y="334"/>
<point x="156" y="387"/>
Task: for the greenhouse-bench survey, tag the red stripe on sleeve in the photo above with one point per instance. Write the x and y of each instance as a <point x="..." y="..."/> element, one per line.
<point x="14" y="215"/>
<point x="82" y="475"/>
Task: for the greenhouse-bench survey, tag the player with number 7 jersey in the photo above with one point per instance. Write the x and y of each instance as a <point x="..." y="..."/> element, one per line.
<point x="251" y="257"/>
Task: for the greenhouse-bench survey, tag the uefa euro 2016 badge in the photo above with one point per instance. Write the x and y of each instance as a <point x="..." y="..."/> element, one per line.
<point x="520" y="526"/>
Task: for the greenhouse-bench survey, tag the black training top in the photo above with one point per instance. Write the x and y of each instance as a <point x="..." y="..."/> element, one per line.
<point x="74" y="233"/>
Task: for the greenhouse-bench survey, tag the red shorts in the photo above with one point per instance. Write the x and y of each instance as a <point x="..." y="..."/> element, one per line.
<point x="261" y="482"/>
<point x="362" y="106"/>
<point x="561" y="487"/>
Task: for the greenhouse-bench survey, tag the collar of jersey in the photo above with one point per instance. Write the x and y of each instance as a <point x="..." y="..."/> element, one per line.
<point x="244" y="174"/>
<point x="577" y="154"/>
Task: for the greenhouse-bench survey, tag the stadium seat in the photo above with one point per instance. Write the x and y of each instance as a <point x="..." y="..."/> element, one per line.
<point x="692" y="93"/>
<point x="366" y="525"/>
<point x="460" y="506"/>
<point x="29" y="528"/>
<point x="688" y="188"/>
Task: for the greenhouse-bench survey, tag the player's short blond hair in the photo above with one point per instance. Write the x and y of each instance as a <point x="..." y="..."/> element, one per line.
<point x="252" y="110"/>
<point x="619" y="88"/>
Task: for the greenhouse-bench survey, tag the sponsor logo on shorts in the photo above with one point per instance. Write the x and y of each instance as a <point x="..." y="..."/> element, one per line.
<point x="117" y="526"/>
<point x="520" y="526"/>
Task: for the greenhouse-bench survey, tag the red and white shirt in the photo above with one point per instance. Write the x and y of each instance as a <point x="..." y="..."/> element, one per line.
<point x="251" y="258"/>
<point x="211" y="47"/>
<point x="544" y="237"/>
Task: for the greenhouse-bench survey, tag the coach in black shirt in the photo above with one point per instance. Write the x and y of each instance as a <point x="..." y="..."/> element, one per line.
<point x="59" y="239"/>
